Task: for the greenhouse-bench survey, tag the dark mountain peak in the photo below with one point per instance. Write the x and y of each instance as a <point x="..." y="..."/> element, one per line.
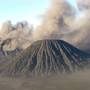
<point x="49" y="56"/>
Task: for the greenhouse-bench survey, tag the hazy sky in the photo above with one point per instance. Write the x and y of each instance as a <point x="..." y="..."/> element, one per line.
<point x="19" y="10"/>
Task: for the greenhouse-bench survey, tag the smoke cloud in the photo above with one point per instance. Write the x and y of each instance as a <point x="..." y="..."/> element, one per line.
<point x="18" y="36"/>
<point x="55" y="21"/>
<point x="83" y="4"/>
<point x="80" y="37"/>
<point x="61" y="21"/>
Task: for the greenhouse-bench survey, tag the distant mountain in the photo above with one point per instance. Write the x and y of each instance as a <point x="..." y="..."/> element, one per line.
<point x="6" y="49"/>
<point x="10" y="53"/>
<point x="49" y="56"/>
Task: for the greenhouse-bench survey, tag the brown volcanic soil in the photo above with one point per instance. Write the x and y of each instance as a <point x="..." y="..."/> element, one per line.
<point x="75" y="81"/>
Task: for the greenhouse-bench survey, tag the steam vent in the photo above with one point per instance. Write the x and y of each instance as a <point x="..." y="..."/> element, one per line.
<point x="49" y="56"/>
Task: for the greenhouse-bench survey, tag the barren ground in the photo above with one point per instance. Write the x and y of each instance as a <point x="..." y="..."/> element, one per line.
<point x="75" y="81"/>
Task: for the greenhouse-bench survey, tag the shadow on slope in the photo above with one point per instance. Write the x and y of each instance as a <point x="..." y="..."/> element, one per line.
<point x="48" y="56"/>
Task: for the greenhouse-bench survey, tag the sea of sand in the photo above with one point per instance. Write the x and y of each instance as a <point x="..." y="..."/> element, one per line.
<point x="74" y="81"/>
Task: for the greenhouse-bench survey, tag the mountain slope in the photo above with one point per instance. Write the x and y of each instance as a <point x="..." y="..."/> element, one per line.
<point x="49" y="56"/>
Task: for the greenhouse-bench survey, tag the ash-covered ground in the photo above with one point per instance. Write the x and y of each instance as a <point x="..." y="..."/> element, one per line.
<point x="76" y="81"/>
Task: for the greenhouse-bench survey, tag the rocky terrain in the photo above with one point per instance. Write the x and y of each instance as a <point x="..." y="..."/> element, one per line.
<point x="46" y="57"/>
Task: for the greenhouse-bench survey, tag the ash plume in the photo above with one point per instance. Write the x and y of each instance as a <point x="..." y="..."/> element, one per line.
<point x="19" y="35"/>
<point x="55" y="21"/>
<point x="83" y="4"/>
<point x="81" y="26"/>
<point x="6" y="28"/>
<point x="60" y="21"/>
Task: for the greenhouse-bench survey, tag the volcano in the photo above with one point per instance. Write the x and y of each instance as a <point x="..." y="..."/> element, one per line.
<point x="49" y="56"/>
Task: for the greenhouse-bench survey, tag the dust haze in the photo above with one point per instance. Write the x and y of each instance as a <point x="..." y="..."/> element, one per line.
<point x="60" y="21"/>
<point x="76" y="81"/>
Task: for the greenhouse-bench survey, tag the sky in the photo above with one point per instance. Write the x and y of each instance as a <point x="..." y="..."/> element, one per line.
<point x="24" y="10"/>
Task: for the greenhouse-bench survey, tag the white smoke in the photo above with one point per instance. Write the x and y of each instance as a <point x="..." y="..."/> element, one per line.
<point x="56" y="21"/>
<point x="19" y="35"/>
<point x="83" y="4"/>
<point x="81" y="26"/>
<point x="6" y="28"/>
<point x="61" y="21"/>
